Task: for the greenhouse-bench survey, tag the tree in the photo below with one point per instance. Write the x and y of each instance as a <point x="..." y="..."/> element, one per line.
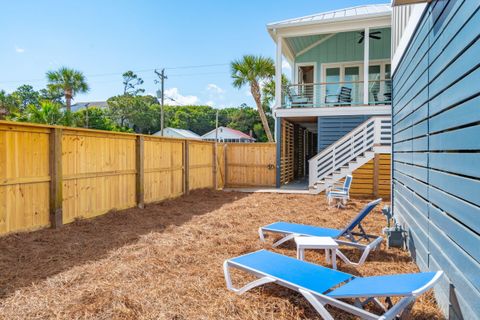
<point x="254" y="70"/>
<point x="7" y="105"/>
<point x="24" y="96"/>
<point x="51" y="94"/>
<point x="133" y="111"/>
<point x="130" y="83"/>
<point x="69" y="81"/>
<point x="95" y="118"/>
<point x="48" y="113"/>
<point x="268" y="91"/>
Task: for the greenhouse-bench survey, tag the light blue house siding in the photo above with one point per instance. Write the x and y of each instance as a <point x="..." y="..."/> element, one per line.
<point x="436" y="150"/>
<point x="330" y="129"/>
<point x="344" y="47"/>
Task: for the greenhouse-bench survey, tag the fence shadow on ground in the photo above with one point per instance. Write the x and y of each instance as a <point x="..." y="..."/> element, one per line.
<point x="27" y="258"/>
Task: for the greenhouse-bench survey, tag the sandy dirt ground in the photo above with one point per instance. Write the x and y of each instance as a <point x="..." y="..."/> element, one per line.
<point x="165" y="261"/>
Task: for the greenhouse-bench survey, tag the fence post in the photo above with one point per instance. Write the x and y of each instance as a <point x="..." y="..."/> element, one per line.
<point x="376" y="173"/>
<point x="56" y="178"/>
<point x="186" y="169"/>
<point x="214" y="167"/>
<point x="140" y="176"/>
<point x="225" y="167"/>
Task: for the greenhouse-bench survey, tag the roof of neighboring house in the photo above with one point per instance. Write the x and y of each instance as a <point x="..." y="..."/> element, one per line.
<point x="80" y="105"/>
<point x="232" y="133"/>
<point x="181" y="132"/>
<point x="351" y="13"/>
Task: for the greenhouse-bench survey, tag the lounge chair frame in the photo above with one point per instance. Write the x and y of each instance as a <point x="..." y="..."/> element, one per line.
<point x="319" y="301"/>
<point x="353" y="239"/>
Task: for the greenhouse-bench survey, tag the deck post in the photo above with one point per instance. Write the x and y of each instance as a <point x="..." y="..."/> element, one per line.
<point x="278" y="130"/>
<point x="140" y="172"/>
<point x="366" y="56"/>
<point x="56" y="178"/>
<point x="278" y="74"/>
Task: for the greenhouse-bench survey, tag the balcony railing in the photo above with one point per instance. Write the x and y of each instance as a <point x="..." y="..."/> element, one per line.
<point x="336" y="94"/>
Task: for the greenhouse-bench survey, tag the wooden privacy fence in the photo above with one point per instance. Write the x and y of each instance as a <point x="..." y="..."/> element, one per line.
<point x="373" y="178"/>
<point x="250" y="164"/>
<point x="53" y="175"/>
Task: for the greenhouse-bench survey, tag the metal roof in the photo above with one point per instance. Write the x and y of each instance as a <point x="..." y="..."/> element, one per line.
<point x="352" y="13"/>
<point x="227" y="133"/>
<point x="188" y="134"/>
<point x="81" y="105"/>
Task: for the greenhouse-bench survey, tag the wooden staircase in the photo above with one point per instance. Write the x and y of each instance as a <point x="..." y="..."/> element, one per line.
<point x="349" y="153"/>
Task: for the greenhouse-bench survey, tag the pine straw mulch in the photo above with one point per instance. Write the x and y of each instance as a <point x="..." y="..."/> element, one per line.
<point x="165" y="262"/>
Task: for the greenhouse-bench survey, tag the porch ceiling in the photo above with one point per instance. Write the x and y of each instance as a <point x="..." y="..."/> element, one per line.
<point x="297" y="44"/>
<point x="310" y="123"/>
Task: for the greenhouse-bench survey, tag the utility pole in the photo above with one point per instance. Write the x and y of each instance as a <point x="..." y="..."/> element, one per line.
<point x="160" y="94"/>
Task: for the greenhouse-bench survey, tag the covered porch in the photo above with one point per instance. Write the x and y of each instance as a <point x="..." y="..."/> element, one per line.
<point x="338" y="59"/>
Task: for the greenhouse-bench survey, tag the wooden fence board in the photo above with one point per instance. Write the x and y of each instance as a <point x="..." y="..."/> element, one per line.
<point x="364" y="182"/>
<point x="251" y="164"/>
<point x="98" y="173"/>
<point x="220" y="169"/>
<point x="24" y="178"/>
<point x="200" y="165"/>
<point x="163" y="169"/>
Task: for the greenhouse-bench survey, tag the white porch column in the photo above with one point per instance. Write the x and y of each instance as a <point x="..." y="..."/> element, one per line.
<point x="366" y="54"/>
<point x="278" y="74"/>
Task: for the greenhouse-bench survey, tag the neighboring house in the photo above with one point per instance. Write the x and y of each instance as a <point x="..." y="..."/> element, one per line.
<point x="178" y="133"/>
<point x="334" y="117"/>
<point x="227" y="135"/>
<point x="83" y="105"/>
<point x="436" y="150"/>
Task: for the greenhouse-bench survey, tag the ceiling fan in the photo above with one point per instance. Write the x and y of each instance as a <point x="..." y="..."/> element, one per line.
<point x="373" y="35"/>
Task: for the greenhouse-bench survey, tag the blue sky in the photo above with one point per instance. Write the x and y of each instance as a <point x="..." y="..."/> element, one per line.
<point x="105" y="38"/>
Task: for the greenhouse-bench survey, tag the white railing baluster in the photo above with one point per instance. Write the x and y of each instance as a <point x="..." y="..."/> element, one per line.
<point x="343" y="151"/>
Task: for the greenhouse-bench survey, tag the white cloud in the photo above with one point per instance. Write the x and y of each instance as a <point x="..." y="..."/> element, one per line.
<point x="175" y="98"/>
<point x="210" y="103"/>
<point x="19" y="50"/>
<point x="286" y="65"/>
<point x="214" y="88"/>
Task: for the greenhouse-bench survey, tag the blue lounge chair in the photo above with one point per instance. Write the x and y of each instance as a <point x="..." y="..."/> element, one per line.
<point x="341" y="193"/>
<point x="323" y="286"/>
<point x="352" y="238"/>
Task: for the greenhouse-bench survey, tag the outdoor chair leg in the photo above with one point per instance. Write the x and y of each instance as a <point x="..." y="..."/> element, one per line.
<point x="246" y="287"/>
<point x="285" y="239"/>
<point x="261" y="235"/>
<point x="319" y="302"/>
<point x="398" y="309"/>
<point x="317" y="305"/>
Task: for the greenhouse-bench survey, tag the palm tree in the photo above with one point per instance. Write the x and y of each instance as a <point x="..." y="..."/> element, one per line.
<point x="268" y="90"/>
<point x="48" y="113"/>
<point x="254" y="70"/>
<point x="68" y="81"/>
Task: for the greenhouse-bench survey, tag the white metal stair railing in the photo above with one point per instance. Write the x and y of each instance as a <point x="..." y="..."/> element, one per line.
<point x="350" y="152"/>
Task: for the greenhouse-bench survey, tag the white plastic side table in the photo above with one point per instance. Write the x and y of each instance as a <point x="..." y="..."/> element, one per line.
<point x="319" y="243"/>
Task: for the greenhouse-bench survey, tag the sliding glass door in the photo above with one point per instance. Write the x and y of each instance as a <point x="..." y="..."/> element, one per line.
<point x="341" y="84"/>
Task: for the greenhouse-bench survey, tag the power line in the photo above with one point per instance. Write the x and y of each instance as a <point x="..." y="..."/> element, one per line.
<point x="197" y="74"/>
<point x="136" y="71"/>
<point x="162" y="77"/>
<point x="199" y="66"/>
